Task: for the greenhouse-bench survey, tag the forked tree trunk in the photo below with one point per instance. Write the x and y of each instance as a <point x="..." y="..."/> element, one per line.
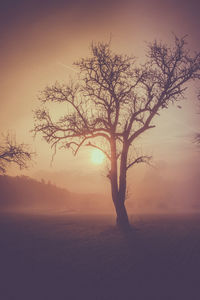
<point x="122" y="220"/>
<point x="122" y="216"/>
<point x="118" y="197"/>
<point x="119" y="192"/>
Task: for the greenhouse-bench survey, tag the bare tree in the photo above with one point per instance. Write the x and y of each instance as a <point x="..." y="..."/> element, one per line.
<point x="115" y="100"/>
<point x="13" y="153"/>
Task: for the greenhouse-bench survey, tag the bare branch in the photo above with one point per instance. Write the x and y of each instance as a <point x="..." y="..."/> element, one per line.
<point x="116" y="101"/>
<point x="140" y="159"/>
<point x="197" y="138"/>
<point x="99" y="148"/>
<point x="13" y="153"/>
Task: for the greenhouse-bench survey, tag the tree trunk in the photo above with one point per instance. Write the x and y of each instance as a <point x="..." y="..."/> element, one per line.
<point x="118" y="193"/>
<point x="122" y="216"/>
<point x="122" y="220"/>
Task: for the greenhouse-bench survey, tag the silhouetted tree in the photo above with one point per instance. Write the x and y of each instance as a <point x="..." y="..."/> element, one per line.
<point x="113" y="101"/>
<point x="11" y="152"/>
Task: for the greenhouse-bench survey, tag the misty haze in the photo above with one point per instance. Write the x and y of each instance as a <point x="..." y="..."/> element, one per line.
<point x="100" y="150"/>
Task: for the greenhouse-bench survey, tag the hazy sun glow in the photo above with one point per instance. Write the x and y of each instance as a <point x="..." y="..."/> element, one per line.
<point x="97" y="156"/>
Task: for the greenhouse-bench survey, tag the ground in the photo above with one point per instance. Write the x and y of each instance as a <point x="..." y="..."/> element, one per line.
<point x="68" y="256"/>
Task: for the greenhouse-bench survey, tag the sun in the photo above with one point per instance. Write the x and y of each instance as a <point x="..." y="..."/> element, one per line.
<point x="97" y="157"/>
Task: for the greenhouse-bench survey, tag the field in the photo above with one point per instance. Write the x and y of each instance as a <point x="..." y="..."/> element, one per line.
<point x="67" y="256"/>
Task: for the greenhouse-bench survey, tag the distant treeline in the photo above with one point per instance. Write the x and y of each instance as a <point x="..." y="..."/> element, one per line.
<point x="25" y="192"/>
<point x="22" y="192"/>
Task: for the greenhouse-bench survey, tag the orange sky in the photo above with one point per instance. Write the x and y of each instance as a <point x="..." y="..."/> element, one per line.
<point x="41" y="39"/>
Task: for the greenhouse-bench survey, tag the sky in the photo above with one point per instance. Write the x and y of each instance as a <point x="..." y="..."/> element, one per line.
<point x="40" y="40"/>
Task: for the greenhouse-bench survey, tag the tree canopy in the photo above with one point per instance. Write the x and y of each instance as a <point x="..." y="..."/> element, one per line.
<point x="113" y="101"/>
<point x="12" y="152"/>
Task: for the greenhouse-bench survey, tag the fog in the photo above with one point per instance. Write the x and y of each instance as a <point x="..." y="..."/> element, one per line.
<point x="160" y="188"/>
<point x="59" y="238"/>
<point x="167" y="189"/>
<point x="39" y="45"/>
